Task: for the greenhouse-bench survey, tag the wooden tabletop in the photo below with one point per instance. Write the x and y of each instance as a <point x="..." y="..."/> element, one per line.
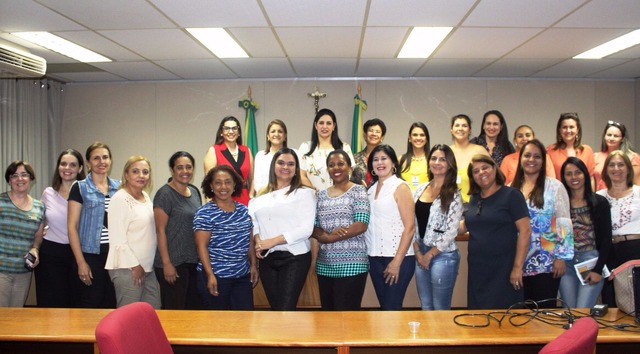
<point x="294" y="329"/>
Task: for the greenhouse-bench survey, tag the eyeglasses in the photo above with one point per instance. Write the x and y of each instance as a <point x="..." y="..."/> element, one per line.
<point x="230" y="129"/>
<point x="19" y="175"/>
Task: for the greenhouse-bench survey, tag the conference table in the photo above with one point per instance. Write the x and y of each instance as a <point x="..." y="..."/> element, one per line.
<point x="30" y="330"/>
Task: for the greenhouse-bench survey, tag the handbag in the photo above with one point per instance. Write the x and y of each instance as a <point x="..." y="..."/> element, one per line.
<point x="624" y="278"/>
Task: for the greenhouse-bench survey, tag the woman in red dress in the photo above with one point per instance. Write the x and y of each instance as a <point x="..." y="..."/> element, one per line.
<point x="228" y="150"/>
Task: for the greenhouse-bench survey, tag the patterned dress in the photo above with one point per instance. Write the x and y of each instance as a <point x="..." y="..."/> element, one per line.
<point x="551" y="230"/>
<point x="348" y="257"/>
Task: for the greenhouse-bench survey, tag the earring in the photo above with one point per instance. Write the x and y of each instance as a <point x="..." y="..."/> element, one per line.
<point x="394" y="170"/>
<point x="373" y="173"/>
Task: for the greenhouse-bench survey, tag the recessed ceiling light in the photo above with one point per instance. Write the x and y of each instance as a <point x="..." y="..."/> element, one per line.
<point x="615" y="45"/>
<point x="62" y="46"/>
<point x="423" y="41"/>
<point x="219" y="42"/>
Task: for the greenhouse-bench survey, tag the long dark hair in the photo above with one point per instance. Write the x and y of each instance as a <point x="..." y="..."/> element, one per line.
<point x="296" y="181"/>
<point x="335" y="139"/>
<point x="405" y="161"/>
<point x="502" y="139"/>
<point x="220" y="138"/>
<point x="588" y="190"/>
<point x="449" y="187"/>
<point x="56" y="182"/>
<point x="537" y="194"/>
<point x="388" y="150"/>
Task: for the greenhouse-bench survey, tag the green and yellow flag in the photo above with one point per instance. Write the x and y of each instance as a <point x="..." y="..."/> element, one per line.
<point x="250" y="134"/>
<point x="356" y="128"/>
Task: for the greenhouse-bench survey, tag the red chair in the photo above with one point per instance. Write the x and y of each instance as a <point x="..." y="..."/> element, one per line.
<point x="132" y="329"/>
<point x="579" y="339"/>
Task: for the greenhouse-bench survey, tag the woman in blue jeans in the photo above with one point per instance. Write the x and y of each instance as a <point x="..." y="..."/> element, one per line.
<point x="391" y="229"/>
<point x="438" y="214"/>
<point x="591" y="218"/>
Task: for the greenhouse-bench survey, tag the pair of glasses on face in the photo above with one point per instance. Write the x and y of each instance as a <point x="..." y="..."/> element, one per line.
<point x="19" y="175"/>
<point x="230" y="129"/>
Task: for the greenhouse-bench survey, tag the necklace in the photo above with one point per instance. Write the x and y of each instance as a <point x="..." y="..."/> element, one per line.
<point x="234" y="154"/>
<point x="417" y="158"/>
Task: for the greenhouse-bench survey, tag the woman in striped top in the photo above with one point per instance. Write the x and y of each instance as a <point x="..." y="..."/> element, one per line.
<point x="227" y="268"/>
<point x="342" y="216"/>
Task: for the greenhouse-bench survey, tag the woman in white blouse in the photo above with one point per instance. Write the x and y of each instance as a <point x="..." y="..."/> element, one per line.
<point x="132" y="237"/>
<point x="391" y="229"/>
<point x="276" y="139"/>
<point x="624" y="198"/>
<point x="314" y="153"/>
<point x="283" y="219"/>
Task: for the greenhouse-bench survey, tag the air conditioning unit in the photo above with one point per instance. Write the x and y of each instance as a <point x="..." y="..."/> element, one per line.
<point x="15" y="63"/>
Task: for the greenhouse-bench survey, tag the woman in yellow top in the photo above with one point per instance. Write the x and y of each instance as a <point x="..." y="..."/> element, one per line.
<point x="413" y="163"/>
<point x="463" y="150"/>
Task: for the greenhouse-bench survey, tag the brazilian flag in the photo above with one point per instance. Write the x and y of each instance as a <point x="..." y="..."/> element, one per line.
<point x="356" y="128"/>
<point x="250" y="134"/>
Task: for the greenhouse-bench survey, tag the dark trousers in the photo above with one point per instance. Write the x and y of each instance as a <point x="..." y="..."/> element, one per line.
<point x="342" y="294"/>
<point x="391" y="297"/>
<point x="541" y="287"/>
<point x="233" y="293"/>
<point x="283" y="276"/>
<point x="183" y="294"/>
<point x="101" y="293"/>
<point x="56" y="281"/>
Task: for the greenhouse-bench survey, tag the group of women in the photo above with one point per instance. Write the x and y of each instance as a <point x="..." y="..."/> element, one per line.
<point x="104" y="243"/>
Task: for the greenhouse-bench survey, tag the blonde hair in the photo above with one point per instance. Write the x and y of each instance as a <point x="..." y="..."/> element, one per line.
<point x="133" y="159"/>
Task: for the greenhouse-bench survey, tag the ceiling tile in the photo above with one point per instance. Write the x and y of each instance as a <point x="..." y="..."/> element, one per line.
<point x="382" y="42"/>
<point x="87" y="77"/>
<point x="258" y="42"/>
<point x="198" y="69"/>
<point x="516" y="67"/>
<point x="26" y="15"/>
<point x="159" y="44"/>
<point x="418" y="12"/>
<point x="605" y="14"/>
<point x="102" y="15"/>
<point x="564" y="42"/>
<point x="510" y="13"/>
<point x="578" y="68"/>
<point x="260" y="67"/>
<point x="213" y="13"/>
<point x="320" y="42"/>
<point x="452" y="67"/>
<point x="631" y="53"/>
<point x="483" y="42"/>
<point x="99" y="44"/>
<point x="324" y="67"/>
<point x="139" y="71"/>
<point x="388" y="67"/>
<point x="630" y="69"/>
<point x="315" y="13"/>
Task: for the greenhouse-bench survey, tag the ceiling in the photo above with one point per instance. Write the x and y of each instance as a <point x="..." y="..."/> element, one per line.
<point x="146" y="39"/>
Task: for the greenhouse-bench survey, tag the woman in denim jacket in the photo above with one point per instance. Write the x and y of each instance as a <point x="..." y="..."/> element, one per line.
<point x="438" y="215"/>
<point x="87" y="223"/>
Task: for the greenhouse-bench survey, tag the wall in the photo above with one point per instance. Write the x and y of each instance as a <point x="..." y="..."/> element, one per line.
<point x="157" y="119"/>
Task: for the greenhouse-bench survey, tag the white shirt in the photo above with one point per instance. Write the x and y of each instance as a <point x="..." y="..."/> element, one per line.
<point x="132" y="232"/>
<point x="292" y="216"/>
<point x="625" y="212"/>
<point x="385" y="224"/>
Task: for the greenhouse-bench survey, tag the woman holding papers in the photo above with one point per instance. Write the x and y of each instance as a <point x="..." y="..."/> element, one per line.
<point x="624" y="198"/>
<point x="591" y="218"/>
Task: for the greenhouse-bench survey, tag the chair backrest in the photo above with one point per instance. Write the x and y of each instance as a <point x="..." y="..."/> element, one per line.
<point x="579" y="339"/>
<point x="133" y="328"/>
